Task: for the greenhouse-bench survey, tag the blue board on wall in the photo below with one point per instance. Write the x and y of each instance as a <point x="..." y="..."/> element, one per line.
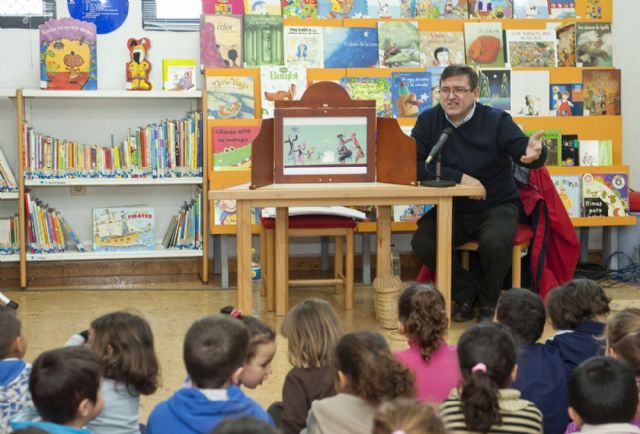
<point x="107" y="15"/>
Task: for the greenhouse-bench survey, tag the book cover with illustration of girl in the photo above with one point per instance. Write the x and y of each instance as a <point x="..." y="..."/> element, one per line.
<point x="441" y="49"/>
<point x="303" y="46"/>
<point x="220" y="41"/>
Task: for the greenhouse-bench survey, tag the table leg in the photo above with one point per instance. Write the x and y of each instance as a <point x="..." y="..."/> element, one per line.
<point x="383" y="242"/>
<point x="243" y="254"/>
<point x="443" y="250"/>
<point x="282" y="261"/>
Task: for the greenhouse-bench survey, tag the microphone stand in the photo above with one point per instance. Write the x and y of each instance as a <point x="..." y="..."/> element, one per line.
<point x="438" y="182"/>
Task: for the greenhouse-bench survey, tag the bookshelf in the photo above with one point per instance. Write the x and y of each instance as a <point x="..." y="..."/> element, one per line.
<point x="8" y="200"/>
<point x="74" y="115"/>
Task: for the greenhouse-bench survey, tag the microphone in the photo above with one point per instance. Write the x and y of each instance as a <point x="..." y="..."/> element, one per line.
<point x="437" y="148"/>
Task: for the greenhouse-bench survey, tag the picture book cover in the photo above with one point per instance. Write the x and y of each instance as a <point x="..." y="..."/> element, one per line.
<point x="350" y="47"/>
<point x="602" y="94"/>
<point x="262" y="7"/>
<point x="376" y="88"/>
<point x="220" y="41"/>
<point x="68" y="55"/>
<point x="530" y="93"/>
<point x="223" y="7"/>
<point x="531" y="9"/>
<point x="299" y="8"/>
<point x="263" y="40"/>
<point x="566" y="37"/>
<point x="563" y="9"/>
<point x="605" y="194"/>
<point x="570" y="192"/>
<point x="303" y="46"/>
<point x="409" y="213"/>
<point x="441" y="48"/>
<point x="570" y="150"/>
<point x="435" y="72"/>
<point x="596" y="152"/>
<point x="594" y="44"/>
<point x="488" y="9"/>
<point x="447" y="9"/>
<point x="179" y="74"/>
<point x="552" y="139"/>
<point x="411" y="93"/>
<point x="385" y="8"/>
<point x="566" y="99"/>
<point x="232" y="147"/>
<point x="594" y="9"/>
<point x="281" y="83"/>
<point x="483" y="44"/>
<point x="531" y="48"/>
<point x="495" y="87"/>
<point x="342" y="9"/>
<point x="123" y="228"/>
<point x="230" y="98"/>
<point x="398" y="44"/>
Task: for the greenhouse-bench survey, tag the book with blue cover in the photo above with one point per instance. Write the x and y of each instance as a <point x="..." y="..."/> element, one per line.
<point x="570" y="192"/>
<point x="350" y="47"/>
<point x="411" y="93"/>
<point x="495" y="87"/>
<point x="566" y="99"/>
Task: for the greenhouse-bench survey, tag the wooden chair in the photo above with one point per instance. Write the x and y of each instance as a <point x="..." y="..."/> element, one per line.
<point x="342" y="228"/>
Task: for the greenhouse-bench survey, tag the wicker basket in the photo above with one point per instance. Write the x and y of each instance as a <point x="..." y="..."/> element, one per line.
<point x="386" y="300"/>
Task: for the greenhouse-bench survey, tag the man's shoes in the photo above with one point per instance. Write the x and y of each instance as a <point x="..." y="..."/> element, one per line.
<point x="486" y="312"/>
<point x="463" y="310"/>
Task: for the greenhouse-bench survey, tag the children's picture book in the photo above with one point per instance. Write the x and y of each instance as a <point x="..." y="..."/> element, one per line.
<point x="566" y="99"/>
<point x="483" y="44"/>
<point x="602" y="94"/>
<point x="596" y="153"/>
<point x="605" y="194"/>
<point x="495" y="87"/>
<point x="563" y="9"/>
<point x="7" y="180"/>
<point x="552" y="139"/>
<point x="220" y="41"/>
<point x="566" y="37"/>
<point x="225" y="212"/>
<point x="350" y="47"/>
<point x="530" y="93"/>
<point x="570" y="192"/>
<point x="263" y="40"/>
<point x="491" y="9"/>
<point x="335" y="9"/>
<point x="281" y="83"/>
<point x="232" y="147"/>
<point x="411" y="93"/>
<point x="570" y="150"/>
<point x="385" y="8"/>
<point x="68" y="55"/>
<point x="594" y="44"/>
<point x="531" y="9"/>
<point x="435" y="72"/>
<point x="299" y="8"/>
<point x="441" y="48"/>
<point x="594" y="9"/>
<point x="123" y="228"/>
<point x="409" y="213"/>
<point x="223" y="7"/>
<point x="262" y="7"/>
<point x="531" y="48"/>
<point x="179" y="74"/>
<point x="398" y="44"/>
<point x="230" y="98"/>
<point x="303" y="46"/>
<point x="376" y="88"/>
<point x="448" y="9"/>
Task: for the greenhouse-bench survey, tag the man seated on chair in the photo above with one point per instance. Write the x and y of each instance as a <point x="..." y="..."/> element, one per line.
<point x="479" y="152"/>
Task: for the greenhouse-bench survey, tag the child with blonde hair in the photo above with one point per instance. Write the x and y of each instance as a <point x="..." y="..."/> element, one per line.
<point x="422" y="318"/>
<point x="367" y="374"/>
<point x="313" y="330"/>
<point x="406" y="416"/>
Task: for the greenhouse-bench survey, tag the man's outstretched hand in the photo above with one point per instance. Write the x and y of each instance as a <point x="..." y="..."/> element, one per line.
<point x="534" y="148"/>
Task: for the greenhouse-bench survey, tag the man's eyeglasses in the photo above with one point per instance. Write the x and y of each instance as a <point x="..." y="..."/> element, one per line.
<point x="457" y="91"/>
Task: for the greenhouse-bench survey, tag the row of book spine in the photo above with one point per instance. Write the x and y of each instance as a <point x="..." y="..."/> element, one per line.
<point x="7" y="180"/>
<point x="185" y="228"/>
<point x="9" y="235"/>
<point x="45" y="227"/>
<point x="170" y="149"/>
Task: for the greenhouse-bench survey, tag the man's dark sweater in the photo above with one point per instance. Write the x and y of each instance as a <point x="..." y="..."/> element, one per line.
<point x="483" y="148"/>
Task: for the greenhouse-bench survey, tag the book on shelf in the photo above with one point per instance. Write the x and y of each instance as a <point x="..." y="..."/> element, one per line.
<point x="179" y="74"/>
<point x="435" y="72"/>
<point x="281" y="83"/>
<point x="596" y="152"/>
<point x="45" y="227"/>
<point x="398" y="44"/>
<point x="223" y="7"/>
<point x="532" y="9"/>
<point x="366" y="88"/>
<point x="7" y="180"/>
<point x="602" y="94"/>
<point x="483" y="44"/>
<point x="566" y="42"/>
<point x="563" y="9"/>
<point x="409" y="213"/>
<point x="388" y="8"/>
<point x="342" y="9"/>
<point x="552" y="139"/>
<point x="495" y="87"/>
<point x="570" y="150"/>
<point x="230" y="97"/>
<point x="70" y="232"/>
<point x="232" y="147"/>
<point x="9" y="244"/>
<point x="594" y="44"/>
<point x="441" y="48"/>
<point x="68" y="55"/>
<point x="221" y="41"/>
<point x="262" y="7"/>
<point x="570" y="192"/>
<point x="605" y="194"/>
<point x="185" y="228"/>
<point x="488" y="9"/>
<point x="531" y="48"/>
<point x="441" y="9"/>
<point x="411" y="93"/>
<point x="303" y="46"/>
<point x="225" y="212"/>
<point x="566" y="99"/>
<point x="594" y="10"/>
<point x="123" y="228"/>
<point x="350" y="47"/>
<point x="300" y="8"/>
<point x="263" y="40"/>
<point x="529" y="93"/>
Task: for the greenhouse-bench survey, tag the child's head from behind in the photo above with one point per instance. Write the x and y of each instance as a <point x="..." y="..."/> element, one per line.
<point x="407" y="416"/>
<point x="487" y="357"/>
<point x="523" y="313"/>
<point x="578" y="301"/>
<point x="12" y="343"/>
<point x="422" y="317"/>
<point x="367" y="369"/>
<point x="244" y="425"/>
<point x="623" y="337"/>
<point x="313" y="330"/>
<point x="215" y="348"/>
<point x="262" y="348"/>
<point x="124" y="342"/>
<point x="65" y="385"/>
<point x="602" y="390"/>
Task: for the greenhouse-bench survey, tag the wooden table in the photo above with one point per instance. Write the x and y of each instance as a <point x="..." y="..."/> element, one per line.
<point x="282" y="196"/>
